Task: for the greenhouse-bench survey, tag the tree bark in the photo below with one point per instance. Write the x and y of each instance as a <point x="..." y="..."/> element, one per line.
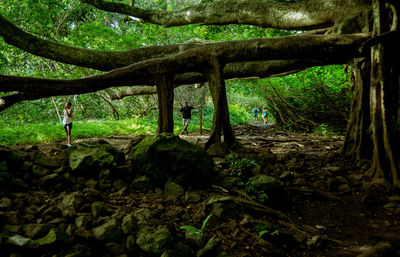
<point x="384" y="99"/>
<point x="221" y="121"/>
<point x="358" y="139"/>
<point x="165" y="93"/>
<point x="237" y="70"/>
<point x="193" y="60"/>
<point x="303" y="15"/>
<point x="99" y="60"/>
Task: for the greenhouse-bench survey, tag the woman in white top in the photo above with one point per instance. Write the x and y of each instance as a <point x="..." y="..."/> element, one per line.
<point x="67" y="121"/>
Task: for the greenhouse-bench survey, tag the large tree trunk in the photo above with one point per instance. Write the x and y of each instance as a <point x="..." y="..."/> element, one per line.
<point x="221" y="121"/>
<point x="165" y="92"/>
<point x="385" y="77"/>
<point x="358" y="139"/>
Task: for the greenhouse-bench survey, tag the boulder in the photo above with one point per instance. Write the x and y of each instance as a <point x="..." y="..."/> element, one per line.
<point x="88" y="158"/>
<point x="218" y="150"/>
<point x="5" y="204"/>
<point x="181" y="249"/>
<point x="166" y="157"/>
<point x="130" y="243"/>
<point x="108" y="232"/>
<point x="142" y="183"/>
<point x="5" y="178"/>
<point x="11" y="158"/>
<point x="192" y="197"/>
<point x="18" y="240"/>
<point x="39" y="171"/>
<point x="99" y="209"/>
<point x="50" y="180"/>
<point x="71" y="203"/>
<point x="143" y="215"/>
<point x="55" y="236"/>
<point x="129" y="225"/>
<point x="267" y="188"/>
<point x="172" y="191"/>
<point x="36" y="230"/>
<point x="3" y="166"/>
<point x="51" y="162"/>
<point x="382" y="249"/>
<point x="154" y="240"/>
<point x="83" y="221"/>
<point x="265" y="183"/>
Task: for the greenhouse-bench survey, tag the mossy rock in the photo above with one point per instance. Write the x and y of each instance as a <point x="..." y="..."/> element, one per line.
<point x="154" y="240"/>
<point x="265" y="183"/>
<point x="88" y="158"/>
<point x="166" y="157"/>
<point x="10" y="159"/>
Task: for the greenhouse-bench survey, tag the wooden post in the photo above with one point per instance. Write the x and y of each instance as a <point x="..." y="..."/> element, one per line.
<point x="201" y="120"/>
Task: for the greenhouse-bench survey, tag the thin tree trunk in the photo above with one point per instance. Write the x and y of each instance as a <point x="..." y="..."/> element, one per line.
<point x="56" y="109"/>
<point x="165" y="93"/>
<point x="115" y="113"/>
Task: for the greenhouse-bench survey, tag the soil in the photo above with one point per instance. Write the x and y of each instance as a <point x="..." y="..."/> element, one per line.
<point x="330" y="208"/>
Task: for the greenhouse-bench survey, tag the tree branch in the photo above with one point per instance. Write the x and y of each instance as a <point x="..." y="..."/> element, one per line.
<point x="320" y="47"/>
<point x="303" y="15"/>
<point x="99" y="60"/>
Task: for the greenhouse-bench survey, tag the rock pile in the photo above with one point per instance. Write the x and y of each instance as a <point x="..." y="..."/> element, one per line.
<point x="89" y="200"/>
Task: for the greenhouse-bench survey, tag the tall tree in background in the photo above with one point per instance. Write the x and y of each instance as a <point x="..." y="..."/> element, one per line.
<point x="339" y="29"/>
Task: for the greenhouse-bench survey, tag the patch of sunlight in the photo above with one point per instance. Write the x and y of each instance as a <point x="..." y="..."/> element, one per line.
<point x="135" y="126"/>
<point x="40" y="137"/>
<point x="188" y="13"/>
<point x="296" y="15"/>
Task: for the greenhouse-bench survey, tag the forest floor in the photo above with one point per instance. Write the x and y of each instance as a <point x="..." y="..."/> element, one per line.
<point x="330" y="208"/>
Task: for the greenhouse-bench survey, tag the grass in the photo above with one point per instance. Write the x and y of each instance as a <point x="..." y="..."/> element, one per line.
<point x="50" y="131"/>
<point x="29" y="133"/>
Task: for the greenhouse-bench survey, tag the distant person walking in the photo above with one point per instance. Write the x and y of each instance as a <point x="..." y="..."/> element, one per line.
<point x="67" y="114"/>
<point x="255" y="113"/>
<point x="186" y="113"/>
<point x="265" y="115"/>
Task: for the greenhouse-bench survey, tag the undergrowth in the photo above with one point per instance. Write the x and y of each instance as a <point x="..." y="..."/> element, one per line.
<point x="14" y="133"/>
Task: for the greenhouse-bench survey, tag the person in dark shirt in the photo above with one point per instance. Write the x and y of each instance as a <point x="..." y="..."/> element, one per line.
<point x="186" y="113"/>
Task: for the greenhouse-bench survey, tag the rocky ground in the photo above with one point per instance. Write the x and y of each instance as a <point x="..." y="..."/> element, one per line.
<point x="277" y="194"/>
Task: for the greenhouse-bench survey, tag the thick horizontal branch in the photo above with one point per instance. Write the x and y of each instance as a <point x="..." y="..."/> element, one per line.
<point x="239" y="70"/>
<point x="130" y="91"/>
<point x="324" y="48"/>
<point x="302" y="15"/>
<point x="99" y="60"/>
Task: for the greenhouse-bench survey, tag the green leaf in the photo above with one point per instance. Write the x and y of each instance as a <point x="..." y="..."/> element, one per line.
<point x="262" y="233"/>
<point x="205" y="222"/>
<point x="275" y="233"/>
<point x="190" y="228"/>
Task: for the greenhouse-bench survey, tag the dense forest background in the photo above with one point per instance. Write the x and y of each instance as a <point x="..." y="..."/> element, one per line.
<point x="316" y="99"/>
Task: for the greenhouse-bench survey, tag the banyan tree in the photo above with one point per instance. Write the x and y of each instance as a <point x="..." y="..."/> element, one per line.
<point x="362" y="33"/>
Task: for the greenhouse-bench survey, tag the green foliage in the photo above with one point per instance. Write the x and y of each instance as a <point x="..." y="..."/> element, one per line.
<point x="256" y="194"/>
<point x="274" y="233"/>
<point x="240" y="167"/>
<point x="265" y="229"/>
<point x="308" y="98"/>
<point x="74" y="23"/>
<point x="48" y="132"/>
<point x="24" y="124"/>
<point x="323" y="130"/>
<point x="194" y="230"/>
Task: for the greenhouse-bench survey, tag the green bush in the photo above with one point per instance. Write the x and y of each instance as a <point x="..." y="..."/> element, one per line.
<point x="240" y="167"/>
